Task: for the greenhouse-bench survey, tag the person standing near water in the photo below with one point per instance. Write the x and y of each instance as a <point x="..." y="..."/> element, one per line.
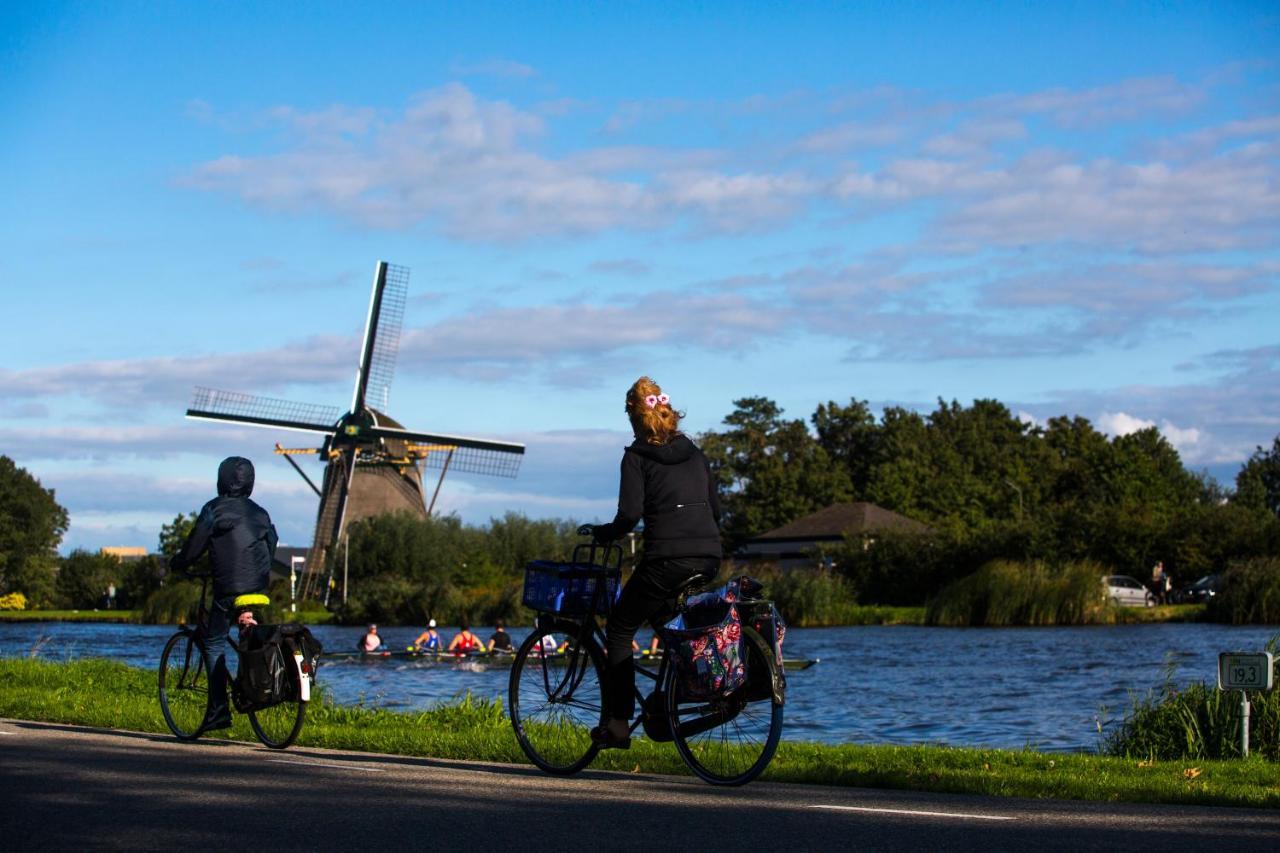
<point x="667" y="482"/>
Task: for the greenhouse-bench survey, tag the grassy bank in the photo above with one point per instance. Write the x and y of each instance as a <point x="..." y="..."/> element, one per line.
<point x="109" y="694"/>
<point x="70" y="616"/>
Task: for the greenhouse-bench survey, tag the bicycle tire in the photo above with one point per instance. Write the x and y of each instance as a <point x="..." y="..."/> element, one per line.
<point x="183" y="688"/>
<point x="728" y="740"/>
<point x="279" y="725"/>
<point x="554" y="730"/>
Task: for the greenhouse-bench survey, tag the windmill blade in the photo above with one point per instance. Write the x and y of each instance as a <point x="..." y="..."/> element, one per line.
<point x="469" y="455"/>
<point x="212" y="405"/>
<point x="381" y="336"/>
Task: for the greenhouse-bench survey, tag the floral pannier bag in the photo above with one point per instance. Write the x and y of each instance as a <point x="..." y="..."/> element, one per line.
<point x="706" y="645"/>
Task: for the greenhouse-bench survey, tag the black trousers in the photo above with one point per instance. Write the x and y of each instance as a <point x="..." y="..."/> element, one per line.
<point x="649" y="596"/>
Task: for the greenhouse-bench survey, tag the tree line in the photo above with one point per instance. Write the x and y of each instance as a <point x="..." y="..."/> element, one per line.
<point x="989" y="485"/>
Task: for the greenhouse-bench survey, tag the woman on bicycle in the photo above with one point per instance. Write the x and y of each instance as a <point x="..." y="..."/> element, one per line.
<point x="667" y="482"/>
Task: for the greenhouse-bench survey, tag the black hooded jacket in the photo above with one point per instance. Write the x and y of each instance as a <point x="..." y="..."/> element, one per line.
<point x="670" y="486"/>
<point x="238" y="534"/>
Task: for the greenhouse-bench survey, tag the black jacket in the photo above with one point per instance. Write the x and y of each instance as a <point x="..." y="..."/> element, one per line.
<point x="238" y="534"/>
<point x="670" y="486"/>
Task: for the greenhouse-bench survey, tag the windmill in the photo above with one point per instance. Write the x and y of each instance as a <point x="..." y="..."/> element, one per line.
<point x="373" y="465"/>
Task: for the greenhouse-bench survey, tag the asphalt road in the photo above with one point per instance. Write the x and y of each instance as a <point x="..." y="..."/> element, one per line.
<point x="72" y="788"/>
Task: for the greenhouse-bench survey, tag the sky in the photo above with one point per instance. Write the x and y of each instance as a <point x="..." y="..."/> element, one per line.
<point x="1073" y="208"/>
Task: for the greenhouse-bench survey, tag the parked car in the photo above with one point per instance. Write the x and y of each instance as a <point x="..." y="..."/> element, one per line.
<point x="1200" y="591"/>
<point x="1128" y="592"/>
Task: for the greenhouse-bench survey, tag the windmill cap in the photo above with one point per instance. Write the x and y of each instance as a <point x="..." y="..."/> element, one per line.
<point x="235" y="477"/>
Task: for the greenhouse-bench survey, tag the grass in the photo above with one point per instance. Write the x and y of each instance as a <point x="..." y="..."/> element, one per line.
<point x="1004" y="592"/>
<point x="70" y="616"/>
<point x="112" y="695"/>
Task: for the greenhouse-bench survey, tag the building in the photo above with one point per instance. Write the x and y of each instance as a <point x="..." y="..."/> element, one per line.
<point x="797" y="544"/>
<point x="125" y="553"/>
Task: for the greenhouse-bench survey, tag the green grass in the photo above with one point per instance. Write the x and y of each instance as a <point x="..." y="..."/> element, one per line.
<point x="1160" y="613"/>
<point x="112" y="695"/>
<point x="70" y="616"/>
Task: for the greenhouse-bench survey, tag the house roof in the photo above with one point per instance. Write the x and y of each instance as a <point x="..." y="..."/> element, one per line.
<point x="835" y="521"/>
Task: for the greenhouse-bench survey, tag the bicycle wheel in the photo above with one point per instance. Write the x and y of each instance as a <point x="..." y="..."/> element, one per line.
<point x="728" y="740"/>
<point x="184" y="685"/>
<point x="555" y="700"/>
<point x="278" y="726"/>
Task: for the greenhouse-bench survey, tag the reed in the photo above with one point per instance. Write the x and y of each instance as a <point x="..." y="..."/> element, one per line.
<point x="1198" y="722"/>
<point x="1005" y="592"/>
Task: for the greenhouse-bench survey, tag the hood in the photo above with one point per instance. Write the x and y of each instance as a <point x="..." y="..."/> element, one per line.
<point x="675" y="451"/>
<point x="235" y="477"/>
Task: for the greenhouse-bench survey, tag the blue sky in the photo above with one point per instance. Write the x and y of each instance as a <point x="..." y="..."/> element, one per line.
<point x="1072" y="209"/>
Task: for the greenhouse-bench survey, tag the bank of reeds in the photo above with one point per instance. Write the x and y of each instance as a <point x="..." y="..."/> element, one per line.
<point x="819" y="598"/>
<point x="1198" y="722"/>
<point x="1250" y="593"/>
<point x="1004" y="592"/>
<point x="111" y="695"/>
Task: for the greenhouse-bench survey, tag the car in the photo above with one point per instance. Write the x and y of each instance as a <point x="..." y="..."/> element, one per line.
<point x="1128" y="592"/>
<point x="1200" y="591"/>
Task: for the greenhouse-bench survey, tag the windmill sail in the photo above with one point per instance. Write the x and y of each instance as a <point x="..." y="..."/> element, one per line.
<point x="213" y="405"/>
<point x="381" y="336"/>
<point x="460" y="453"/>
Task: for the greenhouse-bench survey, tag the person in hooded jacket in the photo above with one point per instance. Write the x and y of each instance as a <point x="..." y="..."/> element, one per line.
<point x="667" y="482"/>
<point x="241" y="541"/>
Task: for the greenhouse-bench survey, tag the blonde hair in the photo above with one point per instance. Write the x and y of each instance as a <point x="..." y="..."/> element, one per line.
<point x="656" y="424"/>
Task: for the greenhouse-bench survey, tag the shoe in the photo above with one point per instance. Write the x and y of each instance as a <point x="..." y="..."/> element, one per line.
<point x="220" y="719"/>
<point x="605" y="739"/>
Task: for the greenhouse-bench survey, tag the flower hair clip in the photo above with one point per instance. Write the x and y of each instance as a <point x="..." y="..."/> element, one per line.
<point x="653" y="400"/>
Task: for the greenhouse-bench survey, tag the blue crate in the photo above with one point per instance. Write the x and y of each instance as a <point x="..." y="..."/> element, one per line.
<point x="568" y="588"/>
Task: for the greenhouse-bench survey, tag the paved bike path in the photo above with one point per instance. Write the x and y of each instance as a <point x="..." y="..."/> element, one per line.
<point x="67" y="787"/>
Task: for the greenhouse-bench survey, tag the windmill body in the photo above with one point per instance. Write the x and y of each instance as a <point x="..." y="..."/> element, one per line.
<point x="373" y="465"/>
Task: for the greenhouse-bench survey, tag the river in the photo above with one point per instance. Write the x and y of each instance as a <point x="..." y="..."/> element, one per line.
<point x="1047" y="688"/>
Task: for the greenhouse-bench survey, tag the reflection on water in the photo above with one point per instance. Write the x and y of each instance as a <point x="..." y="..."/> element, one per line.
<point x="999" y="687"/>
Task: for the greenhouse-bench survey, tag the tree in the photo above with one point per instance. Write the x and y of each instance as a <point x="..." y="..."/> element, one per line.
<point x="84" y="576"/>
<point x="1258" y="483"/>
<point x="31" y="526"/>
<point x="851" y="438"/>
<point x="770" y="470"/>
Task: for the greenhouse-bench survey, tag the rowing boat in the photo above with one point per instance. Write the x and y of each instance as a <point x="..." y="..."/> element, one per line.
<point x="495" y="659"/>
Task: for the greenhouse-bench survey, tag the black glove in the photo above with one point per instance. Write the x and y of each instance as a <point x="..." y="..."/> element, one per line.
<point x="587" y="530"/>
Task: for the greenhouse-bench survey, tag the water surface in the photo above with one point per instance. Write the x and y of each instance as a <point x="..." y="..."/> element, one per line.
<point x="1049" y="688"/>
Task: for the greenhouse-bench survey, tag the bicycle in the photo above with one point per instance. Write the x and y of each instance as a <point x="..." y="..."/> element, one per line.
<point x="554" y="701"/>
<point x="184" y="690"/>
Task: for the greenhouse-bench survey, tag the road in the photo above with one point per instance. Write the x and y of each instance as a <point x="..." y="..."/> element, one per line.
<point x="73" y="788"/>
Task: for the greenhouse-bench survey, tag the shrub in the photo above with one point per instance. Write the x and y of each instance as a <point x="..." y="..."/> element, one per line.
<point x="1250" y="593"/>
<point x="808" y="597"/>
<point x="173" y="603"/>
<point x="13" y="601"/>
<point x="1035" y="593"/>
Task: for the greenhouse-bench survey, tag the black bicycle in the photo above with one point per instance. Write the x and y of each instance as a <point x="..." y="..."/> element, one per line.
<point x="184" y="685"/>
<point x="556" y="698"/>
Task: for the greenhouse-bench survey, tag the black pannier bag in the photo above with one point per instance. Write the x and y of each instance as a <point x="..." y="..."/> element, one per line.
<point x="273" y="661"/>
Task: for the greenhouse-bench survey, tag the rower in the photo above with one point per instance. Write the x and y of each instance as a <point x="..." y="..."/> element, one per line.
<point x="428" y="640"/>
<point x="501" y="640"/>
<point x="370" y="641"/>
<point x="465" y="642"/>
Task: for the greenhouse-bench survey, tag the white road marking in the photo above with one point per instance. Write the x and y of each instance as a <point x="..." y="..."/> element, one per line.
<point x="912" y="812"/>
<point x="321" y="764"/>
